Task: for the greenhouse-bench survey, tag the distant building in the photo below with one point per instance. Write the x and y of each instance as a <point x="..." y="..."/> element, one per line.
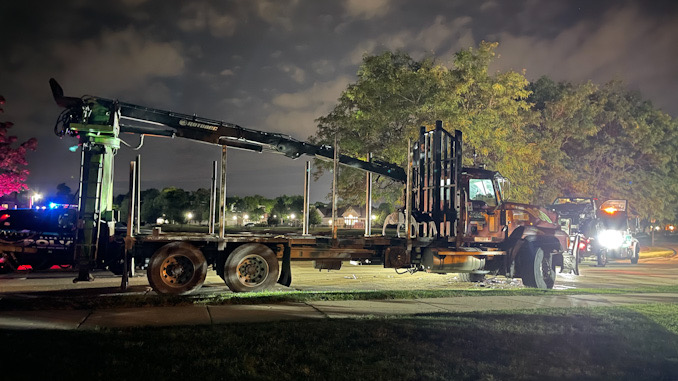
<point x="10" y="201"/>
<point x="350" y="217"/>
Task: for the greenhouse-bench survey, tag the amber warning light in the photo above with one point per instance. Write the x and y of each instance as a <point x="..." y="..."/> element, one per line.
<point x="610" y="210"/>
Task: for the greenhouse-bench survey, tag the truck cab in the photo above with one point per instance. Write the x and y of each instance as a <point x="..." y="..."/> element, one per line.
<point x="615" y="237"/>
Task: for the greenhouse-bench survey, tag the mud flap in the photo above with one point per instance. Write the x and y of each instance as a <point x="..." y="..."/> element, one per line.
<point x="285" y="269"/>
<point x="571" y="257"/>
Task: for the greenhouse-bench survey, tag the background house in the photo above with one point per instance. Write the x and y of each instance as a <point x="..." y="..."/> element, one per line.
<point x="349" y="217"/>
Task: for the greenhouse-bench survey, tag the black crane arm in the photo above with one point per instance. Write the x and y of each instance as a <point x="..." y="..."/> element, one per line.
<point x="149" y="121"/>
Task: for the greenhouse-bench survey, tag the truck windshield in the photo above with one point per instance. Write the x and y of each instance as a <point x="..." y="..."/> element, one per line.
<point x="567" y="200"/>
<point x="482" y="190"/>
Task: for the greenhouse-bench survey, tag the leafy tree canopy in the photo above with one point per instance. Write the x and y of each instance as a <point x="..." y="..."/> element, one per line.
<point x="395" y="95"/>
<point x="548" y="138"/>
<point x="607" y="142"/>
<point x="13" y="172"/>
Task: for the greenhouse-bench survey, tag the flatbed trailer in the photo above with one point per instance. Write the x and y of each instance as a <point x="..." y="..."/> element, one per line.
<point x="247" y="262"/>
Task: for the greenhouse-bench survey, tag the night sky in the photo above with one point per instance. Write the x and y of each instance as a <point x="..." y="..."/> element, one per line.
<point x="279" y="65"/>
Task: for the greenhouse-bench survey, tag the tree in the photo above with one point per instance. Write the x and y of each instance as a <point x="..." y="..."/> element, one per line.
<point x="63" y="194"/>
<point x="395" y="95"/>
<point x="13" y="174"/>
<point x="151" y="206"/>
<point x="314" y="217"/>
<point x="175" y="203"/>
<point x="285" y="206"/>
<point x="607" y="142"/>
<point x="565" y="118"/>
<point x="199" y="204"/>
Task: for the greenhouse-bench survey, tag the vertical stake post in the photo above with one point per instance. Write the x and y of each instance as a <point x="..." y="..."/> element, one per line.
<point x="408" y="194"/>
<point x="334" y="190"/>
<point x="137" y="215"/>
<point x="213" y="198"/>
<point x="130" y="223"/>
<point x="222" y="196"/>
<point x="368" y="200"/>
<point x="307" y="196"/>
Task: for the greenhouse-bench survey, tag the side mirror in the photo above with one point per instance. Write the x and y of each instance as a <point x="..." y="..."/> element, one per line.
<point x="505" y="186"/>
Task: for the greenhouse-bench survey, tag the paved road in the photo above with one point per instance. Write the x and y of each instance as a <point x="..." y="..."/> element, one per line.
<point x="649" y="271"/>
<point x="617" y="274"/>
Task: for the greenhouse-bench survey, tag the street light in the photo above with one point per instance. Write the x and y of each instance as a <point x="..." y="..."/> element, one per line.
<point x="35" y="197"/>
<point x="189" y="216"/>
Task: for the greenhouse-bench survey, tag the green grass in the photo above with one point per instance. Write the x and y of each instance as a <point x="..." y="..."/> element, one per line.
<point x="664" y="315"/>
<point x="551" y="344"/>
<point x="153" y="300"/>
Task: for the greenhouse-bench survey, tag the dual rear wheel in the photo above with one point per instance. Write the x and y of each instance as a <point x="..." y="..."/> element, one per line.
<point x="180" y="268"/>
<point x="177" y="268"/>
<point x="251" y="267"/>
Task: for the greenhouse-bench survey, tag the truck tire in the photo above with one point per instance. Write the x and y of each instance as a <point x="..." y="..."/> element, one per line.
<point x="536" y="267"/>
<point x="636" y="254"/>
<point x="177" y="268"/>
<point x="471" y="277"/>
<point x="251" y="267"/>
<point x="602" y="257"/>
<point x="41" y="265"/>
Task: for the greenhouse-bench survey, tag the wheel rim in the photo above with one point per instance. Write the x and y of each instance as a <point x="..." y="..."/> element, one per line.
<point x="252" y="270"/>
<point x="176" y="270"/>
<point x="603" y="258"/>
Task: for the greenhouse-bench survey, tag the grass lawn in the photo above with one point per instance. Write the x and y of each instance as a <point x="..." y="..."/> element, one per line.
<point x="630" y="343"/>
<point x="69" y="302"/>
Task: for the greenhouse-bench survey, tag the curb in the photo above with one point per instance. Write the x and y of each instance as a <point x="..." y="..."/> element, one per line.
<point x="656" y="252"/>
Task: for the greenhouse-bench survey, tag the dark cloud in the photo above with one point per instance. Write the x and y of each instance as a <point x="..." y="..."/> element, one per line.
<point x="278" y="65"/>
<point x="622" y="43"/>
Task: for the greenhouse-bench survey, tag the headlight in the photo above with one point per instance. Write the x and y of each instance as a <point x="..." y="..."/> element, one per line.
<point x="611" y="239"/>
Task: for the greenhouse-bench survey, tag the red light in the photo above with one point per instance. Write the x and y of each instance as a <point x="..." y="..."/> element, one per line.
<point x="4" y="217"/>
<point x="582" y="245"/>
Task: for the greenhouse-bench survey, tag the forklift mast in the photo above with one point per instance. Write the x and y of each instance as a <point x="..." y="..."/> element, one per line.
<point x="436" y="176"/>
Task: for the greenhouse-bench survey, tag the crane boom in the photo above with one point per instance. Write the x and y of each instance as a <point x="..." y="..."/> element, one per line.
<point x="149" y="121"/>
<point x="98" y="122"/>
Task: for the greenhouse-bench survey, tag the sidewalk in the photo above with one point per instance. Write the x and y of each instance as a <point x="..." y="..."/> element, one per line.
<point x="210" y="315"/>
